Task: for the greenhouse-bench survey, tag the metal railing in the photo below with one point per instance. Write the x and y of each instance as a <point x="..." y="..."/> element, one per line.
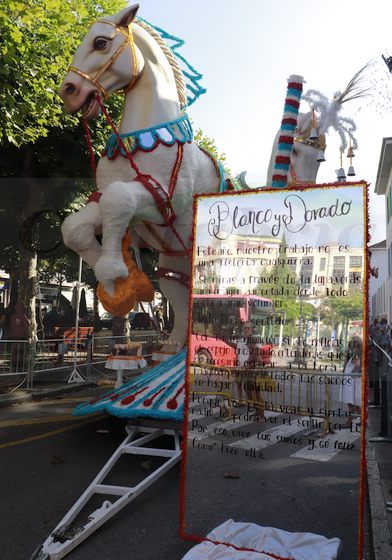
<point x="298" y="392"/>
<point x="380" y="380"/>
<point x="15" y="357"/>
<point x="42" y="359"/>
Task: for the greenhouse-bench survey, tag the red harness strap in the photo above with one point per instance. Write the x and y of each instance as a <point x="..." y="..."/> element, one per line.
<point x="161" y="197"/>
<point x="180" y="277"/>
<point x="176" y="169"/>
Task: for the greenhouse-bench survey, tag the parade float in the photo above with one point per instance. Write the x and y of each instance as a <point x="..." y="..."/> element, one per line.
<point x="147" y="179"/>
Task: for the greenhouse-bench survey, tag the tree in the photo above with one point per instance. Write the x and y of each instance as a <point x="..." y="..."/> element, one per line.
<point x="40" y="146"/>
<point x="209" y="144"/>
<point x="232" y="290"/>
<point x="335" y="309"/>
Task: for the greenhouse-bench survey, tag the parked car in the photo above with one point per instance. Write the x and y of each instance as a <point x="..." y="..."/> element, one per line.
<point x="140" y="321"/>
<point x="105" y="321"/>
<point x="88" y="321"/>
<point x="131" y="316"/>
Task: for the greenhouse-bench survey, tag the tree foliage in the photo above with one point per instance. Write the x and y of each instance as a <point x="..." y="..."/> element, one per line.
<point x="209" y="144"/>
<point x="44" y="160"/>
<point x="335" y="309"/>
<point x="39" y="38"/>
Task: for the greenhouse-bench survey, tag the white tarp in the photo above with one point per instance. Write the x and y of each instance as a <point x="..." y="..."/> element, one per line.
<point x="298" y="546"/>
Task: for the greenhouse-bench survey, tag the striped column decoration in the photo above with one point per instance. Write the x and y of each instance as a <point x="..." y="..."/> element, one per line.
<point x="287" y="130"/>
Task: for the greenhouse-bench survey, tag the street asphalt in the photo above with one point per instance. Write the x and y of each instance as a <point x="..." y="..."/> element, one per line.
<point x="378" y="520"/>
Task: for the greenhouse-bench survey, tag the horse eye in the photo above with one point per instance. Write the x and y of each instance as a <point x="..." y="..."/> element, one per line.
<point x="100" y="43"/>
<point x="294" y="152"/>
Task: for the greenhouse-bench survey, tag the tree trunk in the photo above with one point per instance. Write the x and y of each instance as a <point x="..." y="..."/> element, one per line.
<point x="27" y="288"/>
<point x="95" y="307"/>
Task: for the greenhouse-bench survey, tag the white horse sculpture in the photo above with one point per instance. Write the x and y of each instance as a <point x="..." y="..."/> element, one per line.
<point x="113" y="56"/>
<point x="154" y="194"/>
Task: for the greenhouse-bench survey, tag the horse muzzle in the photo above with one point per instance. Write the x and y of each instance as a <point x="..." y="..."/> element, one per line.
<point x="78" y="97"/>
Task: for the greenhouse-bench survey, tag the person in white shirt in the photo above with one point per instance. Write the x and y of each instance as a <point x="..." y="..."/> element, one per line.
<point x="351" y="390"/>
<point x="249" y="357"/>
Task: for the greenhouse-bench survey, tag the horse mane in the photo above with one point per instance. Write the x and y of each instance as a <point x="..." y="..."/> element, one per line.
<point x="178" y="74"/>
<point x="305" y="125"/>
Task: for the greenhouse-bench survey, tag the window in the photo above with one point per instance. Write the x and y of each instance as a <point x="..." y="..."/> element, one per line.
<point x="306" y="272"/>
<point x="355" y="262"/>
<point x="338" y="268"/>
<point x="323" y="262"/>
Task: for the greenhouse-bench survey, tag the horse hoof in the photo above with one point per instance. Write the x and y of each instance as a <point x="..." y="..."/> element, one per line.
<point x="123" y="299"/>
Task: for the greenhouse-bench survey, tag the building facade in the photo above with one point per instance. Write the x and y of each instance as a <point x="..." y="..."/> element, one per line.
<point x="384" y="188"/>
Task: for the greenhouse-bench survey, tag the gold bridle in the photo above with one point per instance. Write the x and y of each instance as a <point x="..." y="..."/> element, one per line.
<point x="318" y="144"/>
<point x="127" y="41"/>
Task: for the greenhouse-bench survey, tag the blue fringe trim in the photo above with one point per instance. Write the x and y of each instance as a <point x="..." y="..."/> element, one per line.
<point x="192" y="75"/>
<point x="147" y="139"/>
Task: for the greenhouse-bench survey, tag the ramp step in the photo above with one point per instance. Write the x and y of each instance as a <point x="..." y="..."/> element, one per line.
<point x="130" y="450"/>
<point x="111" y="489"/>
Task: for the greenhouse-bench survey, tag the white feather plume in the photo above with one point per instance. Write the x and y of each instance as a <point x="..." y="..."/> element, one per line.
<point x="329" y="110"/>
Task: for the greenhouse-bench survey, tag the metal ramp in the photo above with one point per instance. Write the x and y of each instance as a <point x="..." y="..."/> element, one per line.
<point x="64" y="539"/>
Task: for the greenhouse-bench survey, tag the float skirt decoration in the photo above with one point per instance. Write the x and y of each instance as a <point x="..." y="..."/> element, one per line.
<point x="157" y="393"/>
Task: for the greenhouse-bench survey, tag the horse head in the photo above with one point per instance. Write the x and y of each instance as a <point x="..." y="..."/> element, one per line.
<point x="304" y="158"/>
<point x="106" y="61"/>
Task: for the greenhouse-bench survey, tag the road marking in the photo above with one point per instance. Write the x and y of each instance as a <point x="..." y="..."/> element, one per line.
<point x="71" y="427"/>
<point x="42" y="420"/>
<point x="228" y="425"/>
<point x="57" y="401"/>
<point x="284" y="430"/>
<point x="324" y="454"/>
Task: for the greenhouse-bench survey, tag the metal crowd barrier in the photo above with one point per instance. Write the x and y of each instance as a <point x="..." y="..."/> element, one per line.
<point x="380" y="377"/>
<point x="15" y="357"/>
<point x="298" y="392"/>
<point x="150" y="343"/>
<point x="59" y="354"/>
<point x="102" y="347"/>
<point x="19" y="357"/>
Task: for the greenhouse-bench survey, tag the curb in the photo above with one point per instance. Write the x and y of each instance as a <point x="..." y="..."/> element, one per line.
<point x="378" y="511"/>
<point x="25" y="395"/>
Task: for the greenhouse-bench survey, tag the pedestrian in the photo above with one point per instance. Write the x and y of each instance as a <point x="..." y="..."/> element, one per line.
<point x="69" y="318"/>
<point x="2" y="319"/>
<point x="375" y="331"/>
<point x="249" y="356"/>
<point x="160" y="320"/>
<point x="351" y="388"/>
<point x="51" y="321"/>
<point x="384" y="336"/>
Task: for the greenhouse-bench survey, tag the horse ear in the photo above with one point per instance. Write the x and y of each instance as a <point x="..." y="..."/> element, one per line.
<point x="126" y="16"/>
<point x="303" y="123"/>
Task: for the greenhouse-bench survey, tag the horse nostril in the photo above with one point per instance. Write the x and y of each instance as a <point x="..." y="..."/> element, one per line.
<point x="69" y="89"/>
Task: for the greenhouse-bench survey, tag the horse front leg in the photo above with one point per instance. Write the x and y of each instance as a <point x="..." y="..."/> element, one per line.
<point x="120" y="203"/>
<point x="174" y="283"/>
<point x="79" y="231"/>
